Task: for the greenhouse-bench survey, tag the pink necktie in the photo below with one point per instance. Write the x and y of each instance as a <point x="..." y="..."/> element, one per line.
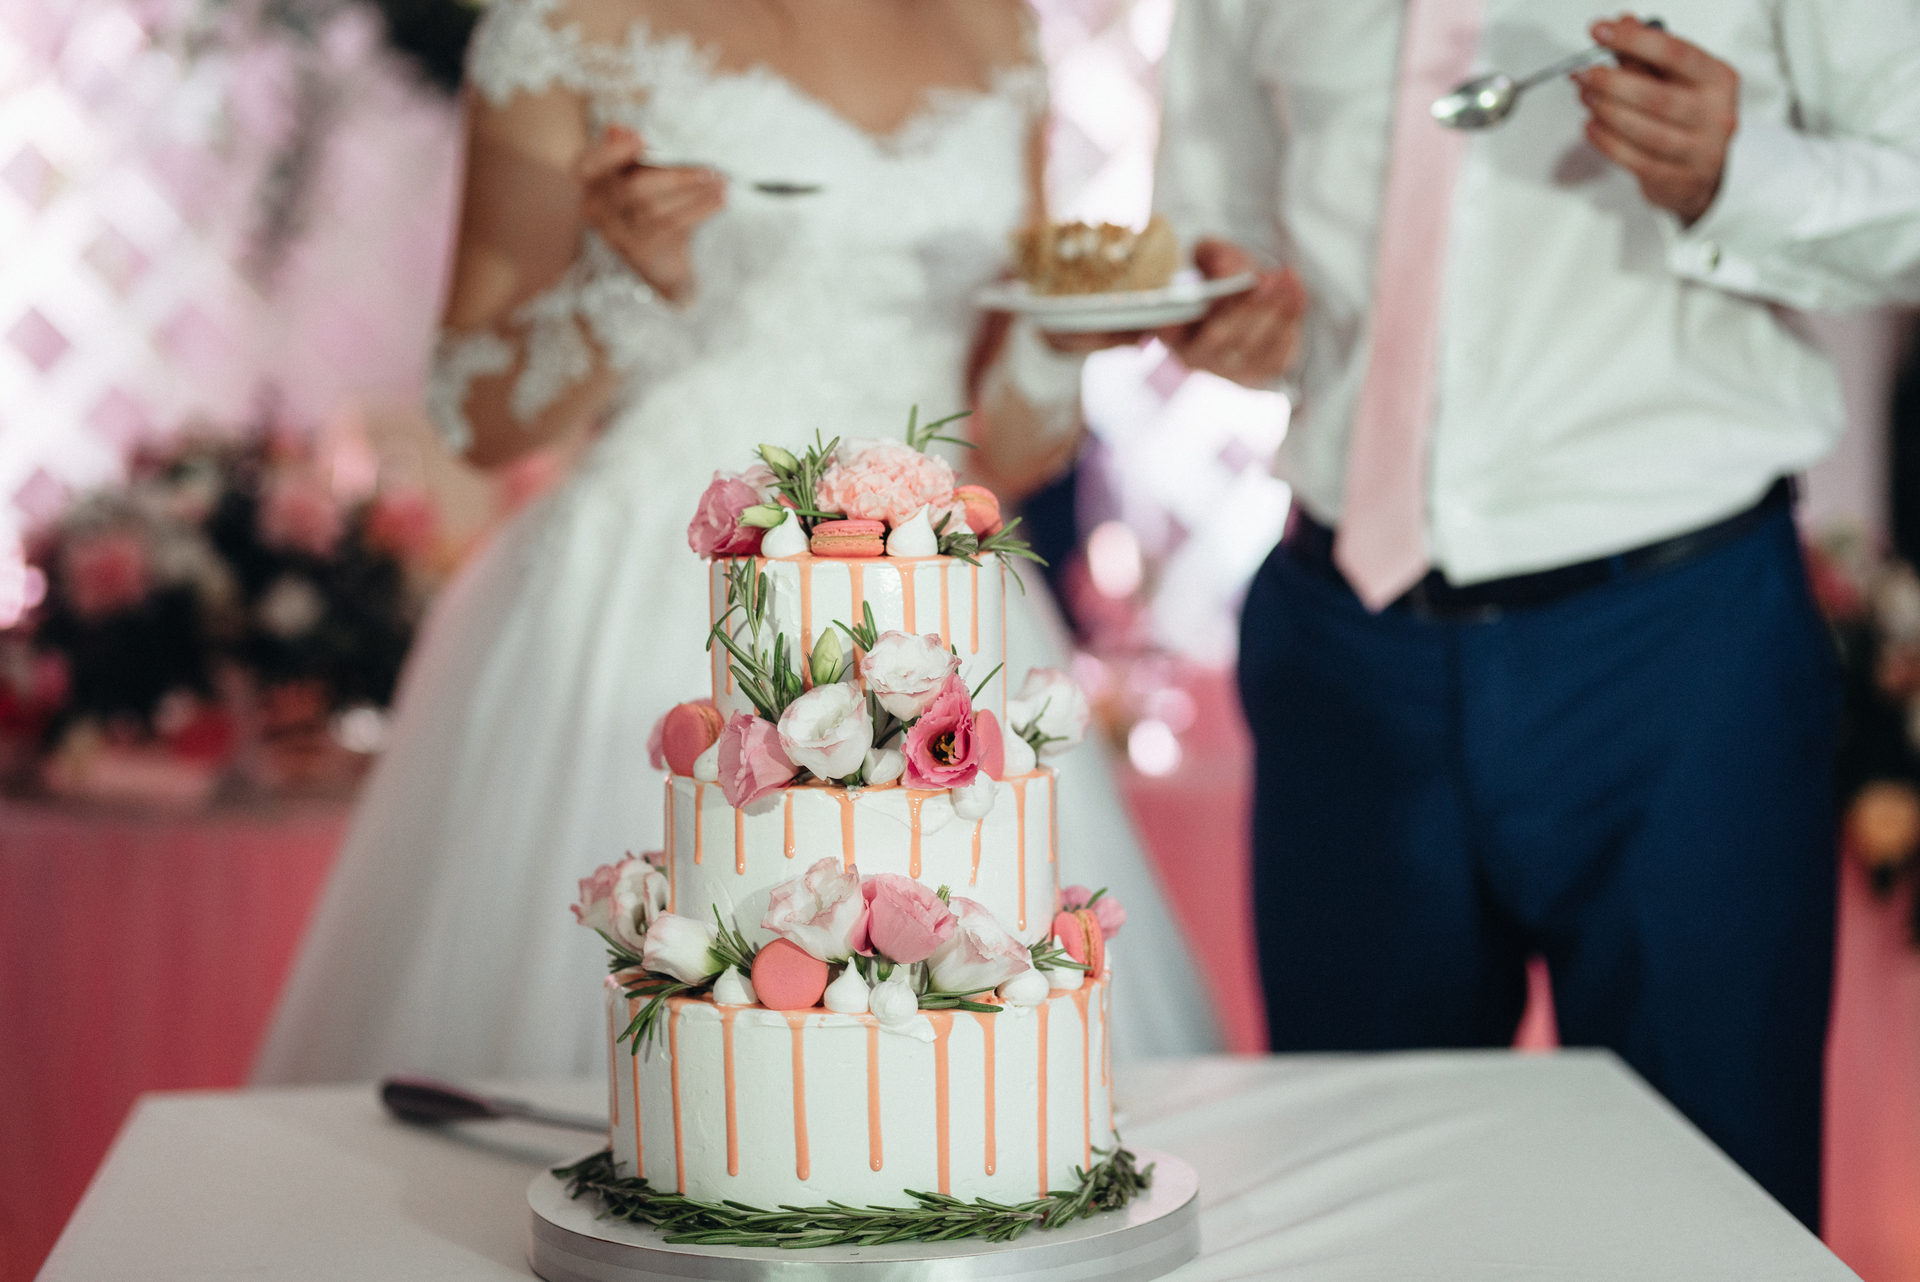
<point x="1381" y="545"/>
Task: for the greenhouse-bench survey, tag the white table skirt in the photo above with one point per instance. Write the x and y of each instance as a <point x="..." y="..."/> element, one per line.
<point x="1442" y="1166"/>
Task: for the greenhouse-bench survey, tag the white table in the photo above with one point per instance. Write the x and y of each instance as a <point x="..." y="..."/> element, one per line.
<point x="1483" y="1166"/>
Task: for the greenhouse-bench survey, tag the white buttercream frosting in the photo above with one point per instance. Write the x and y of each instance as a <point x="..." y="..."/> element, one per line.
<point x="1019" y="754"/>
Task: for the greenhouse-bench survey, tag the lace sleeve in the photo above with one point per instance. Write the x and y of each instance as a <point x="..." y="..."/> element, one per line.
<point x="516" y="48"/>
<point x="599" y="299"/>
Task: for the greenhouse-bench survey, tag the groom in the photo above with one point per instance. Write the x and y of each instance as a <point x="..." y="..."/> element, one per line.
<point x="1535" y="668"/>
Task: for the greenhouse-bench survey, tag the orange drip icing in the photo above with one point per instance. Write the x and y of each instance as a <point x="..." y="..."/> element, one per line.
<point x="973" y="878"/>
<point x="727" y="1014"/>
<point x="1080" y="996"/>
<point x="797" y="1021"/>
<point x="909" y="573"/>
<point x="973" y="624"/>
<point x="873" y="1091"/>
<point x="1106" y="1047"/>
<point x="986" y="1034"/>
<point x="674" y="1005"/>
<point x="806" y="612"/>
<point x="942" y="1028"/>
<point x="699" y="809"/>
<point x="946" y="619"/>
<point x="790" y="849"/>
<point x="740" y="841"/>
<point x="1041" y="1010"/>
<point x="1020" y="846"/>
<point x="856" y="579"/>
<point x="915" y="799"/>
<point x="846" y="829"/>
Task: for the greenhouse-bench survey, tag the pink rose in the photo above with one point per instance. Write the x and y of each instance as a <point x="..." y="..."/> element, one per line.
<point x="980" y="955"/>
<point x="887" y="481"/>
<point x="1106" y="909"/>
<point x="905" y="672"/>
<point x="752" y="763"/>
<point x="822" y="911"/>
<point x="715" y="530"/>
<point x="296" y="512"/>
<point x="905" y="920"/>
<point x="943" y="751"/>
<point x="105" y="573"/>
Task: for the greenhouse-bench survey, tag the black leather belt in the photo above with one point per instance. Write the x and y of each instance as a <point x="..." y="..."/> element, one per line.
<point x="1311" y="544"/>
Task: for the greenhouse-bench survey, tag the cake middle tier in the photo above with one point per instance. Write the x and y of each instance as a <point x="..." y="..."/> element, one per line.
<point x="806" y="595"/>
<point x="719" y="856"/>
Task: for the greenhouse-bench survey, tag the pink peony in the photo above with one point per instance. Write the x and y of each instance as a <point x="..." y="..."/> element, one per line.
<point x="824" y="910"/>
<point x="943" y="750"/>
<point x="297" y="513"/>
<point x="105" y="573"/>
<point x="887" y="481"/>
<point x="905" y="920"/>
<point x="752" y="763"/>
<point x="980" y="955"/>
<point x="905" y="672"/>
<point x="715" y="530"/>
<point x="1106" y="909"/>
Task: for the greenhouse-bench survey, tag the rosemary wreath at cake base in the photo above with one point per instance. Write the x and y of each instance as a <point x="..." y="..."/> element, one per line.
<point x="1111" y="1184"/>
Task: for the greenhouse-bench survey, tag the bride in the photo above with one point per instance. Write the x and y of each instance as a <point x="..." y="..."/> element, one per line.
<point x="619" y="261"/>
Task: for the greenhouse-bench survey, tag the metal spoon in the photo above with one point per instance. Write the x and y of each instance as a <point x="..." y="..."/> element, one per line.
<point x="766" y="186"/>
<point x="1485" y="101"/>
<point x="426" y="1102"/>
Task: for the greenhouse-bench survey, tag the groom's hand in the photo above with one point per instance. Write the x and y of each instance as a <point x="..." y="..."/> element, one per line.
<point x="1249" y="338"/>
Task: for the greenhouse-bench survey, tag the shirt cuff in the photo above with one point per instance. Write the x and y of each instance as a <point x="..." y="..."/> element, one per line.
<point x="1769" y="179"/>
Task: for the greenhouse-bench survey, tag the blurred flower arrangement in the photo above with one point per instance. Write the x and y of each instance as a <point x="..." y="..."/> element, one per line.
<point x="1873" y="607"/>
<point x="224" y="621"/>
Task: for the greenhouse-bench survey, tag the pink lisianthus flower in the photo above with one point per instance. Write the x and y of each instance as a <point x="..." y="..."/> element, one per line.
<point x="943" y="750"/>
<point x="905" y="921"/>
<point x="822" y="911"/>
<point x="105" y="573"/>
<point x="980" y="955"/>
<point x="296" y="512"/>
<point x="752" y="762"/>
<point x="889" y="481"/>
<point x="1106" y="910"/>
<point x="715" y="530"/>
<point x="622" y="900"/>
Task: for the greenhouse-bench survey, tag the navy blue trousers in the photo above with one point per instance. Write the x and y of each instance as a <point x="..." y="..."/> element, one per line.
<point x="1635" y="782"/>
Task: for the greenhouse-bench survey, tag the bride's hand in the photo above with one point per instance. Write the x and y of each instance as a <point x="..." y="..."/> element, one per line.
<point x="647" y="215"/>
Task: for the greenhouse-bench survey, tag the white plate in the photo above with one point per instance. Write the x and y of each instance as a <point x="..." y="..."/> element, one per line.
<point x="1184" y="300"/>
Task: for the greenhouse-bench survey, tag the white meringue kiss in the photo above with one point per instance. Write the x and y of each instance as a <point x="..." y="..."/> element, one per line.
<point x="1019" y="756"/>
<point x="706" y="766"/>
<point x="847" y="995"/>
<point x="1028" y="988"/>
<point x="975" y="800"/>
<point x="915" y="538"/>
<point x="785" y="539"/>
<point x="884" y="765"/>
<point x="893" y="1001"/>
<point x="733" y="989"/>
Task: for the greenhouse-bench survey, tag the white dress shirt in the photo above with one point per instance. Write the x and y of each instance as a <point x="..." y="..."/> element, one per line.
<point x="1606" y="377"/>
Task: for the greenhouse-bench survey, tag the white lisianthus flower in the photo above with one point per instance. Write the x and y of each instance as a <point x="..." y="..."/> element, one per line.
<point x="826" y="730"/>
<point x="1050" y="712"/>
<point x="906" y="672"/>
<point x="979" y="955"/>
<point x="822" y="910"/>
<point x="681" y="947"/>
<point x="639" y="898"/>
<point x="884" y="765"/>
<point x="893" y="1001"/>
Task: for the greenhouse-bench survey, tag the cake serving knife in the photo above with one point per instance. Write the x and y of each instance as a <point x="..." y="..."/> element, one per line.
<point x="427" y="1102"/>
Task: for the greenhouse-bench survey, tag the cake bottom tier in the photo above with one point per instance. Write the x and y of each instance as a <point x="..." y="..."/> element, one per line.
<point x="770" y="1107"/>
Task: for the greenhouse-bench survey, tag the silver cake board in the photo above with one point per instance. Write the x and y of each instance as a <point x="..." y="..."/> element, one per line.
<point x="1157" y="1233"/>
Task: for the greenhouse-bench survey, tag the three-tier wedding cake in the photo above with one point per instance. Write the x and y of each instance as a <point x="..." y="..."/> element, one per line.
<point x="851" y="975"/>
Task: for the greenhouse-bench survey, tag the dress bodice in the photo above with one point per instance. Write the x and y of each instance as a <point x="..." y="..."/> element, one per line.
<point x="836" y="310"/>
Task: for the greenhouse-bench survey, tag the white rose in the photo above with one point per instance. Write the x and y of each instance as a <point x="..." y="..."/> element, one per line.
<point x="848" y="994"/>
<point x="681" y="947"/>
<point x="979" y="955"/>
<point x="905" y="672"/>
<point x="1052" y="708"/>
<point x="893" y="1001"/>
<point x="826" y="730"/>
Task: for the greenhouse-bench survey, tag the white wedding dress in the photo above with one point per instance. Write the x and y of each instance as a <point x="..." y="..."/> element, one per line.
<point x="518" y="760"/>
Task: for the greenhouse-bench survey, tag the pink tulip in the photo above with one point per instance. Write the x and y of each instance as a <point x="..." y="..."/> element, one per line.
<point x="943" y="750"/>
<point x="752" y="763"/>
<point x="905" y="920"/>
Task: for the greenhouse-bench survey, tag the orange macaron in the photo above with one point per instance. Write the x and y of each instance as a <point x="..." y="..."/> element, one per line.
<point x="850" y="538"/>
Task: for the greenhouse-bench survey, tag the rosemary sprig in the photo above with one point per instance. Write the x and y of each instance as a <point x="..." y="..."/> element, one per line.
<point x="964" y="545"/>
<point x="1113" y="1182"/>
<point x="919" y="437"/>
<point x="656" y="989"/>
<point x="732" y="947"/>
<point x="1048" y="955"/>
<point x="767" y="678"/>
<point x="799" y="478"/>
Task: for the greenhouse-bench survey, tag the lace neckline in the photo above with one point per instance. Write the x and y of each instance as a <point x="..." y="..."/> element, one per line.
<point x="940" y="105"/>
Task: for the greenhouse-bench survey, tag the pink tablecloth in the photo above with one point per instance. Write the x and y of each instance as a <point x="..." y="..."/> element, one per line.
<point x="136" y="954"/>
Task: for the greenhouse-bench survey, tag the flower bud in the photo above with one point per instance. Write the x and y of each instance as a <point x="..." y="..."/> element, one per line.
<point x="829" y="658"/>
<point x="681" y="947"/>
<point x="763" y="515"/>
<point x="779" y="460"/>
